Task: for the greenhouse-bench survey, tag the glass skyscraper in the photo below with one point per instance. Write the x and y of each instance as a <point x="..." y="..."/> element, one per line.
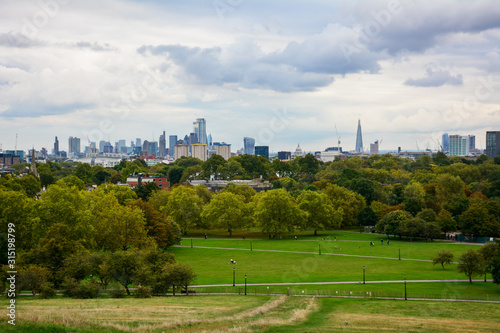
<point x="446" y="143"/>
<point x="359" y="139"/>
<point x="249" y="145"/>
<point x="200" y="129"/>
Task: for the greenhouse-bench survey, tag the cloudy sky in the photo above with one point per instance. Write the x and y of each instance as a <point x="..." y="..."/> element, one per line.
<point x="283" y="72"/>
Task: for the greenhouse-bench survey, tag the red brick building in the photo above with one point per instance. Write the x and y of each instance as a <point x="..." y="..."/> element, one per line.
<point x="162" y="182"/>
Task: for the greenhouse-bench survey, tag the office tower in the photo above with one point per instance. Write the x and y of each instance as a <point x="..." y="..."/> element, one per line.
<point x="472" y="142"/>
<point x="249" y="145"/>
<point x="145" y="148"/>
<point x="200" y="129"/>
<point x="153" y="148"/>
<point x="181" y="150"/>
<point x="193" y="139"/>
<point x="459" y="145"/>
<point x="102" y="143"/>
<point x="172" y="141"/>
<point x="56" y="147"/>
<point x="374" y="148"/>
<point x="186" y="140"/>
<point x="285" y="155"/>
<point x="44" y="152"/>
<point x="163" y="145"/>
<point x="209" y="141"/>
<point x="262" y="151"/>
<point x="73" y="146"/>
<point x="223" y="150"/>
<point x="492" y="143"/>
<point x="199" y="150"/>
<point x="445" y="143"/>
<point x="359" y="139"/>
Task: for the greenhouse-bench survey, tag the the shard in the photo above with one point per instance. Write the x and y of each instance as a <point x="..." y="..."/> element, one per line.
<point x="359" y="139"/>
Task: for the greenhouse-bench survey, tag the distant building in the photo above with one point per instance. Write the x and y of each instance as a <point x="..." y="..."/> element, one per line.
<point x="209" y="141"/>
<point x="138" y="142"/>
<point x="472" y="142"/>
<point x="172" y="141"/>
<point x="284" y="155"/>
<point x="19" y="153"/>
<point x="459" y="145"/>
<point x="56" y="147"/>
<point x="181" y="150"/>
<point x="223" y="150"/>
<point x="446" y="143"/>
<point x="73" y="146"/>
<point x="162" y="150"/>
<point x="374" y="148"/>
<point x="7" y="159"/>
<point x="136" y="180"/>
<point x="200" y="130"/>
<point x="298" y="151"/>
<point x="359" y="139"/>
<point x="249" y="145"/>
<point x="199" y="150"/>
<point x="262" y="151"/>
<point x="492" y="143"/>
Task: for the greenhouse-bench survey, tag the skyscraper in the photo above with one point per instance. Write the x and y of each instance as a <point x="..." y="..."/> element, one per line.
<point x="73" y="146"/>
<point x="472" y="142"/>
<point x="492" y="143"/>
<point x="359" y="139"/>
<point x="262" y="150"/>
<point x="223" y="150"/>
<point x="446" y="143"/>
<point x="200" y="130"/>
<point x="459" y="145"/>
<point x="163" y="145"/>
<point x="172" y="141"/>
<point x="209" y="141"/>
<point x="249" y="145"/>
<point x="56" y="147"/>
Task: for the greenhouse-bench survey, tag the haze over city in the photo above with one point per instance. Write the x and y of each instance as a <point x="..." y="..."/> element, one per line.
<point x="281" y="72"/>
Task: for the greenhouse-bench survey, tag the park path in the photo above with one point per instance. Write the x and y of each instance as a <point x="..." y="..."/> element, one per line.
<point x="300" y="252"/>
<point x="336" y="282"/>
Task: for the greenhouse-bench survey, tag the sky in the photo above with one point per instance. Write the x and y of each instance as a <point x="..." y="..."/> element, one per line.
<point x="283" y="72"/>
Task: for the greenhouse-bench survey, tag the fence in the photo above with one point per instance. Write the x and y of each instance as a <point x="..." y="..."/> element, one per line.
<point x="462" y="238"/>
<point x="240" y="290"/>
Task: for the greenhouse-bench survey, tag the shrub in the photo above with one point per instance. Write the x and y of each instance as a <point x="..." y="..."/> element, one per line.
<point x="142" y="292"/>
<point x="117" y="293"/>
<point x="87" y="290"/>
<point x="47" y="291"/>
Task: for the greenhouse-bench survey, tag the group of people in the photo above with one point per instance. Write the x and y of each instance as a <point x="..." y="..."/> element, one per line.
<point x="232" y="261"/>
<point x="381" y="242"/>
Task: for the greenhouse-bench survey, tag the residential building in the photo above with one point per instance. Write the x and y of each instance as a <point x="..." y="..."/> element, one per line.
<point x="374" y="148"/>
<point x="73" y="146"/>
<point x="223" y="150"/>
<point x="249" y="145"/>
<point x="459" y="145"/>
<point x="492" y="143"/>
<point x="262" y="151"/>
<point x="181" y="150"/>
<point x="199" y="150"/>
<point x="136" y="180"/>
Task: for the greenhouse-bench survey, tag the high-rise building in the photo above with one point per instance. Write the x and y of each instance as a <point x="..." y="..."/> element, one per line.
<point x="181" y="150"/>
<point x="262" y="151"/>
<point x="153" y="148"/>
<point x="359" y="139"/>
<point x="193" y="138"/>
<point x="472" y="142"/>
<point x="172" y="141"/>
<point x="209" y="141"/>
<point x="122" y="147"/>
<point x="446" y="143"/>
<point x="249" y="145"/>
<point x="199" y="150"/>
<point x="73" y="146"/>
<point x="138" y="142"/>
<point x="374" y="148"/>
<point x="200" y="129"/>
<point x="186" y="140"/>
<point x="492" y="143"/>
<point x="459" y="145"/>
<point x="285" y="155"/>
<point x="163" y="145"/>
<point x="223" y="150"/>
<point x="145" y="148"/>
<point x="56" y="147"/>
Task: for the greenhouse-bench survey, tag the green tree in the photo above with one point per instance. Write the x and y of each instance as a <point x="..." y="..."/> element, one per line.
<point x="33" y="277"/>
<point x="84" y="172"/>
<point x="191" y="173"/>
<point x="175" y="174"/>
<point x="184" y="207"/>
<point x="145" y="190"/>
<point x="471" y="263"/>
<point x="276" y="212"/>
<point x="490" y="251"/>
<point x="232" y="170"/>
<point x="244" y="190"/>
<point x="442" y="257"/>
<point x="477" y="221"/>
<point x="227" y="210"/>
<point x="446" y="222"/>
<point x="124" y="267"/>
<point x="350" y="202"/>
<point x="309" y="164"/>
<point x="391" y="223"/>
<point x="413" y="227"/>
<point x="212" y="166"/>
<point x="181" y="275"/>
<point x="321" y="214"/>
<point x="414" y="197"/>
<point x="367" y="217"/>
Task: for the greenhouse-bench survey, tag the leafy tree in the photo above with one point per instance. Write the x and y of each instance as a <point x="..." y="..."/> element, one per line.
<point x="175" y="174"/>
<point x="144" y="191"/>
<point x="186" y="162"/>
<point x="255" y="166"/>
<point x="441" y="159"/>
<point x="350" y="202"/>
<point x="471" y="263"/>
<point x="367" y="217"/>
<point x="191" y="173"/>
<point x="309" y="164"/>
<point x="123" y="194"/>
<point x="365" y="187"/>
<point x="495" y="270"/>
<point x="33" y="277"/>
<point x="413" y="227"/>
<point x="159" y="199"/>
<point x="431" y="230"/>
<point x="84" y="172"/>
<point x="184" y="207"/>
<point x="477" y="221"/>
<point x="446" y="221"/>
<point x="276" y="212"/>
<point x="204" y="193"/>
<point x="212" y="166"/>
<point x="428" y="215"/>
<point x="30" y="185"/>
<point x="73" y="182"/>
<point x="414" y="198"/>
<point x="442" y="257"/>
<point x="180" y="275"/>
<point x="490" y="251"/>
<point x="226" y="210"/>
<point x="232" y="170"/>
<point x="244" y="190"/>
<point x="124" y="266"/>
<point x="321" y="214"/>
<point x="392" y="223"/>
<point x="140" y="162"/>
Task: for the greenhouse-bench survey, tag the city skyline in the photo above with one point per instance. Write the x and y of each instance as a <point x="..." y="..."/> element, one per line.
<point x="278" y="72"/>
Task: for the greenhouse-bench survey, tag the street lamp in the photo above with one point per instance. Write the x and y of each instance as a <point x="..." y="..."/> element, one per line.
<point x="234" y="275"/>
<point x="363" y="274"/>
<point x="251" y="246"/>
<point x="399" y="247"/>
<point x="405" y="290"/>
<point x="191" y="242"/>
<point x="245" y="284"/>
<point x="319" y="246"/>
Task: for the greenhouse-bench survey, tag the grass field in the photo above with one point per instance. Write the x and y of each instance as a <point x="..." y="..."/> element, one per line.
<point x="251" y="314"/>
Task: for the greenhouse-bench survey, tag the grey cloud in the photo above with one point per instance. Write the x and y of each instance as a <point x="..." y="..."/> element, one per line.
<point x="95" y="46"/>
<point x="13" y="39"/>
<point x="436" y="78"/>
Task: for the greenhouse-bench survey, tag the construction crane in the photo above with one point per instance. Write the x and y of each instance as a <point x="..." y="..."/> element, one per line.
<point x="418" y="149"/>
<point x="338" y="139"/>
<point x="439" y="145"/>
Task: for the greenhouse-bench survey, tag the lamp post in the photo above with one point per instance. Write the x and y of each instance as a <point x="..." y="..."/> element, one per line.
<point x="234" y="276"/>
<point x="363" y="274"/>
<point x="319" y="247"/>
<point x="399" y="247"/>
<point x="245" y="284"/>
<point x="405" y="290"/>
<point x="191" y="242"/>
<point x="251" y="246"/>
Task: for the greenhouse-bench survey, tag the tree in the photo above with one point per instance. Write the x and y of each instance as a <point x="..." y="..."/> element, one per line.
<point x="365" y="187"/>
<point x="144" y="191"/>
<point x="212" y="166"/>
<point x="33" y="277"/>
<point x="180" y="275"/>
<point x="495" y="270"/>
<point x="446" y="222"/>
<point x="232" y="170"/>
<point x="184" y="207"/>
<point x="276" y="212"/>
<point x="477" y="221"/>
<point x="471" y="263"/>
<point x="391" y="223"/>
<point x="413" y="227"/>
<point x="490" y="251"/>
<point x="124" y="266"/>
<point x="309" y="164"/>
<point x="350" y="202"/>
<point x="84" y="172"/>
<point x="226" y="210"/>
<point x="414" y="197"/>
<point x="175" y="174"/>
<point x="30" y="185"/>
<point x="244" y="190"/>
<point x="191" y="173"/>
<point x="321" y="214"/>
<point x="367" y="217"/>
<point x="442" y="257"/>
